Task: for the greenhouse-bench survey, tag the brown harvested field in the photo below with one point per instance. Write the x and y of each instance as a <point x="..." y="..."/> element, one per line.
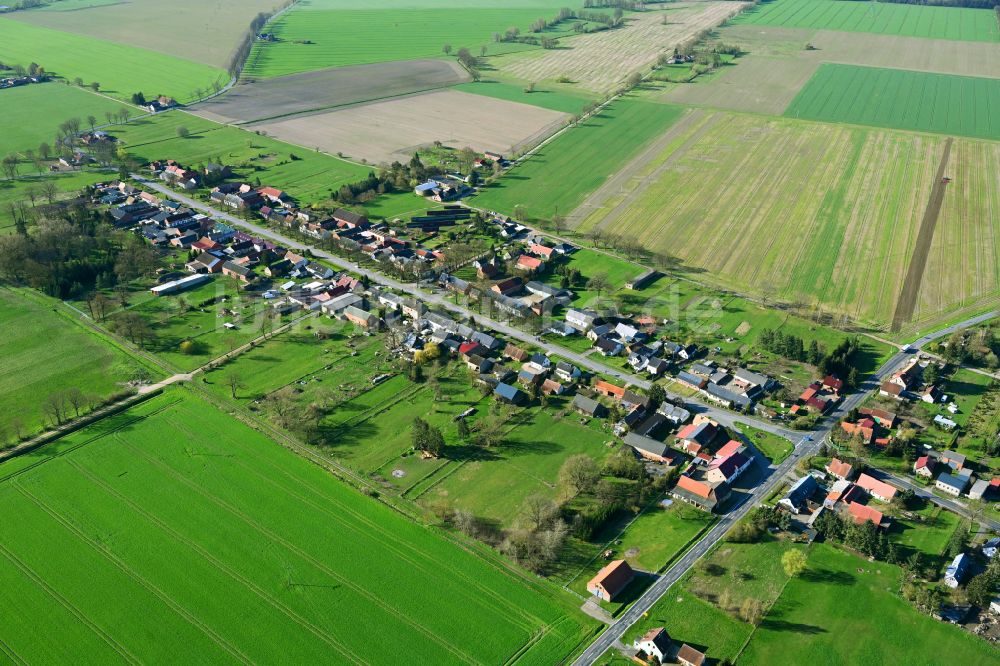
<point x="205" y="31"/>
<point x="396" y="128"/>
<point x="329" y="88"/>
<point x="778" y="65"/>
<point x="602" y="61"/>
<point x="822" y="216"/>
<point x="963" y="269"/>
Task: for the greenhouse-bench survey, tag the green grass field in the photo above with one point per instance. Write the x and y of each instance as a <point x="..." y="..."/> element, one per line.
<point x="308" y="178"/>
<point x="841" y="595"/>
<point x="121" y="70"/>
<point x="33" y="113"/>
<point x="336" y="33"/>
<point x="978" y="25"/>
<point x="557" y="177"/>
<point x="919" y="101"/>
<point x="494" y="485"/>
<point x="173" y="520"/>
<point x="774" y="448"/>
<point x="44" y="353"/>
<point x="547" y="97"/>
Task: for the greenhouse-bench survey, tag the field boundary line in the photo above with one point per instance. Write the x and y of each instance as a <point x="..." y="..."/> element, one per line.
<point x="265" y="531"/>
<point x="908" y="295"/>
<point x="174" y="605"/>
<point x="218" y="564"/>
<point x="9" y="652"/>
<point x="68" y="605"/>
<point x="416" y="557"/>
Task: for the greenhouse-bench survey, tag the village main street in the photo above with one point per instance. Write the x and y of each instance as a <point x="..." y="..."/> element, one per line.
<point x="724" y="417"/>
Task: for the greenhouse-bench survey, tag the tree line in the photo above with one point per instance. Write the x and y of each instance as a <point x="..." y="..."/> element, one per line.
<point x="838" y="362"/>
<point x="243" y="49"/>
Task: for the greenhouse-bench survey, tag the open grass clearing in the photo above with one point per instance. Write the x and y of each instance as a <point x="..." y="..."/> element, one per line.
<point x="774" y="448"/>
<point x="393" y="130"/>
<point x="329" y="88"/>
<point x="927" y="532"/>
<point x="819" y="608"/>
<point x="953" y="23"/>
<point x="308" y="177"/>
<point x="159" y="504"/>
<point x="68" y="185"/>
<point x="741" y="219"/>
<point x="494" y="485"/>
<point x="45" y="352"/>
<point x="121" y="70"/>
<point x="556" y="178"/>
<point x="600" y="62"/>
<point x="333" y="33"/>
<point x="32" y="114"/>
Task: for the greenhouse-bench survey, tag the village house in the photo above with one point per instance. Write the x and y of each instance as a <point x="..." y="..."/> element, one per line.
<point x="648" y="448"/>
<point x="510" y="394"/>
<point x="241" y="273"/>
<point x="589" y="407"/>
<point x="700" y="492"/>
<point x="953" y="459"/>
<point x="957" y="571"/>
<point x="642" y="280"/>
<point x="955" y="483"/>
<point x="528" y="264"/>
<point x="611" y="580"/>
<point x="840" y="469"/>
<point x="878" y="489"/>
<point x="609" y="390"/>
<point x="655" y="643"/>
<point x="799" y="494"/>
<point x="508" y="287"/>
<point x="673" y="413"/>
<point x="360" y="317"/>
<point x="727" y="469"/>
<point x="861" y="514"/>
<point x="688" y="656"/>
<point x="924" y="466"/>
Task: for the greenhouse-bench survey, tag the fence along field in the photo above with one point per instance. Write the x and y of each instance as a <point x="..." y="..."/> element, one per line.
<point x="166" y="518"/>
<point x="602" y="61"/>
<point x="317" y="34"/>
<point x="206" y="32"/>
<point x="120" y="70"/>
<point x="978" y="25"/>
<point x="821" y="216"/>
<point x="921" y="101"/>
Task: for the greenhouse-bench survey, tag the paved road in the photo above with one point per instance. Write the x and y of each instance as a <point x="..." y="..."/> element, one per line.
<point x="722" y="416"/>
<point x="953" y="505"/>
<point x="808" y="445"/>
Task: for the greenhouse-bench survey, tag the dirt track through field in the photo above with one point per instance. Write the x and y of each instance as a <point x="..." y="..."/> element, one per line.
<point x="907" y="302"/>
<point x="619" y="181"/>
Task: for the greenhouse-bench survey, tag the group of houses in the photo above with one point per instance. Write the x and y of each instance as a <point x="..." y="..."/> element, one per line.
<point x="843" y="489"/>
<point x="908" y="384"/>
<point x="952" y="475"/>
<point x="739" y="389"/>
<point x="819" y="396"/>
<point x="717" y="461"/>
<point x="15" y="81"/>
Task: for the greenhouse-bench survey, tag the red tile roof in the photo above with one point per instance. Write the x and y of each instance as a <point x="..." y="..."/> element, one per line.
<point x="613" y="577"/>
<point x="876" y="487"/>
<point x="861" y="513"/>
<point x="699" y="488"/>
<point x="524" y="261"/>
<point x="840" y="468"/>
<point x="731" y="447"/>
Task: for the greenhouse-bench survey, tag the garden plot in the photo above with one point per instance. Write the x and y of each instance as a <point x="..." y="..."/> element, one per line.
<point x="602" y="61"/>
<point x="329" y="88"/>
<point x="395" y="129"/>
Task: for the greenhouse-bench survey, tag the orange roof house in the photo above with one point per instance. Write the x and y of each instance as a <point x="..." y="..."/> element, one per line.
<point x="611" y="580"/>
<point x="877" y="489"/>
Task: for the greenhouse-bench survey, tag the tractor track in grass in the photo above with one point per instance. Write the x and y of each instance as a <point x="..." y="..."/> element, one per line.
<point x="906" y="304"/>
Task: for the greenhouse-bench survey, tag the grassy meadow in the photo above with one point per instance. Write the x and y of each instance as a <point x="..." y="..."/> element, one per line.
<point x="335" y="33"/>
<point x="44" y="352"/>
<point x="308" y="176"/>
<point x="841" y="595"/>
<point x="905" y="20"/>
<point x="900" y="99"/>
<point x="557" y="177"/>
<point x="17" y="191"/>
<point x="32" y="114"/>
<point x="121" y="70"/>
<point x="166" y="518"/>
